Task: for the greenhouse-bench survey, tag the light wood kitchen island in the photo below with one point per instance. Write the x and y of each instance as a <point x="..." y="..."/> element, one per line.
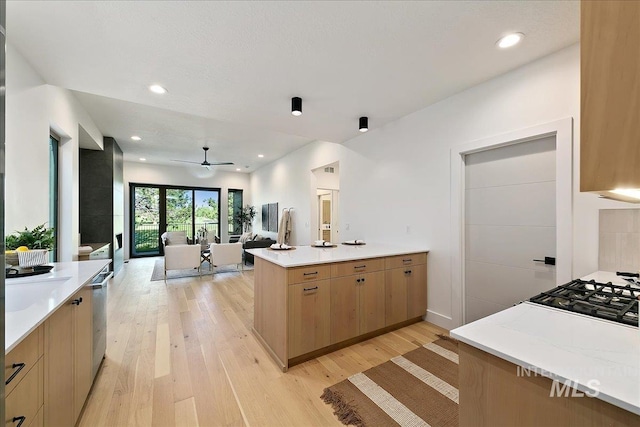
<point x="311" y="301"/>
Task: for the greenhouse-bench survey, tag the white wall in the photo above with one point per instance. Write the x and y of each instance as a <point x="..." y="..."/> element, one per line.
<point x="291" y="183"/>
<point x="193" y="176"/>
<point x="33" y="109"/>
<point x="397" y="178"/>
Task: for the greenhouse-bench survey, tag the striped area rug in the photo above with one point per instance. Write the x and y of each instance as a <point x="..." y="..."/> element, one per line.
<point x="419" y="388"/>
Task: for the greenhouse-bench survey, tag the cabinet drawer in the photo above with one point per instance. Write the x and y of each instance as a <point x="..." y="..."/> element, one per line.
<point x="406" y="260"/>
<point x="309" y="274"/>
<point x="21" y="359"/>
<point x="26" y="398"/>
<point x="357" y="267"/>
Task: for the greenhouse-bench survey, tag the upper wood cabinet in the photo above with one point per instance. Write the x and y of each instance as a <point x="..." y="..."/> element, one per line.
<point x="610" y="96"/>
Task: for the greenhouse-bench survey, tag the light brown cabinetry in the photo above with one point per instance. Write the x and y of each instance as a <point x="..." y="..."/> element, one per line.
<point x="304" y="311"/>
<point x="493" y="393"/>
<point x="68" y="360"/>
<point x="24" y="381"/>
<point x="357" y="305"/>
<point x="405" y="290"/>
<point x="309" y="326"/>
<point x="610" y="94"/>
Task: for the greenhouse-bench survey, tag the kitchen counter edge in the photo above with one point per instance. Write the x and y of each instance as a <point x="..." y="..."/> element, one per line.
<point x="308" y="255"/>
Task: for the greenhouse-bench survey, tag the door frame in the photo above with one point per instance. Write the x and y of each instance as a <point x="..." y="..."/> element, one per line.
<point x="563" y="131"/>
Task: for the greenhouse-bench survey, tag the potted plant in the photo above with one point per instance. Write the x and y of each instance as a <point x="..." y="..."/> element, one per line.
<point x="245" y="217"/>
<point x="40" y="237"/>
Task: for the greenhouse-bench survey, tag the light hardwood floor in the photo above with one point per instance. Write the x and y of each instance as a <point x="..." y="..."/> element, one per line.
<point x="182" y="354"/>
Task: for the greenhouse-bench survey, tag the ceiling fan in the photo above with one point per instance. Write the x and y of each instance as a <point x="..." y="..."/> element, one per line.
<point x="205" y="163"/>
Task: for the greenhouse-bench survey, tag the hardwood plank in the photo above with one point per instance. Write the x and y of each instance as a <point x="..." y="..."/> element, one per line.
<point x="214" y="370"/>
<point x="186" y="414"/>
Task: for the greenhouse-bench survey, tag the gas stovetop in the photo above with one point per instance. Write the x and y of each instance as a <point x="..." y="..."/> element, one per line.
<point x="618" y="303"/>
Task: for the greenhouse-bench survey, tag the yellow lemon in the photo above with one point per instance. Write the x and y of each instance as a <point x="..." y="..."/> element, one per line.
<point x="9" y="251"/>
<point x="22" y="249"/>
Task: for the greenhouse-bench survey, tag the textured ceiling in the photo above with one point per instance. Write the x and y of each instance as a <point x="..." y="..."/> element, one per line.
<point x="232" y="67"/>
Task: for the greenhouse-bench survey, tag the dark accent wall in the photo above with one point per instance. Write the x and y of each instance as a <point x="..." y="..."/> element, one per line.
<point x="102" y="198"/>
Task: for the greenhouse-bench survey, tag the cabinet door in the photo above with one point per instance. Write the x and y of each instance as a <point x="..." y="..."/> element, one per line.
<point x="26" y="398"/>
<point x="416" y="291"/>
<point x="371" y="302"/>
<point x="58" y="358"/>
<point x="309" y="325"/>
<point x="82" y="349"/>
<point x="344" y="302"/>
<point x="395" y="285"/>
<point x="610" y="89"/>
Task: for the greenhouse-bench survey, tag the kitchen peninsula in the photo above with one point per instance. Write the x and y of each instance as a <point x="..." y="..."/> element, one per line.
<point x="310" y="301"/>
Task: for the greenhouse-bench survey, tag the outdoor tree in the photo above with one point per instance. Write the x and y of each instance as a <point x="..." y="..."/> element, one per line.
<point x="146" y="205"/>
<point x="209" y="211"/>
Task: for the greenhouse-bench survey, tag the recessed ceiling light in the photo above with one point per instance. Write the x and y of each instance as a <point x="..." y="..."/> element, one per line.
<point x="510" y="40"/>
<point x="157" y="89"/>
<point x="261" y="155"/>
<point x="238" y="169"/>
<point x="142" y="159"/>
<point x="136" y="138"/>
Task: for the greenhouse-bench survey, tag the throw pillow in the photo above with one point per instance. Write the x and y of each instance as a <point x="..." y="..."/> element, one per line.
<point x="245" y="237"/>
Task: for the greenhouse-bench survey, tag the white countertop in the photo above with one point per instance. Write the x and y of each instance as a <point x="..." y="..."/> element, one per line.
<point x="565" y="346"/>
<point x="29" y="301"/>
<point x="308" y="255"/>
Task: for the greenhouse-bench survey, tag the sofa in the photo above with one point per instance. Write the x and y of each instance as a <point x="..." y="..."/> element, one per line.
<point x="251" y="241"/>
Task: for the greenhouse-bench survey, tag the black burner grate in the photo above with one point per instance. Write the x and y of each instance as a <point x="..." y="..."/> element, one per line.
<point x="604" y="300"/>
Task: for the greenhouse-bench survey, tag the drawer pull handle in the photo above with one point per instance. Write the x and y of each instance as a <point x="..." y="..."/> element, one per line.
<point x="310" y="289"/>
<point x="20" y="367"/>
<point x="407" y="272"/>
<point x="20" y="418"/>
<point x="310" y="274"/>
<point x="406" y="260"/>
<point x="360" y="266"/>
<point x="77" y="301"/>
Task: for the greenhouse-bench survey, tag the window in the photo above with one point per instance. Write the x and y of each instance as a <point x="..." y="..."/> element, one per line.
<point x="53" y="194"/>
<point x="159" y="208"/>
<point x="234" y="208"/>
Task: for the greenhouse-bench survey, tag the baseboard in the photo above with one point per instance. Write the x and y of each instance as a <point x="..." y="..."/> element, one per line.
<point x="441" y="320"/>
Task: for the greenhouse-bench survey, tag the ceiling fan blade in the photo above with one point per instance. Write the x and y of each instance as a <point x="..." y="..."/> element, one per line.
<point x="220" y="163"/>
<point x="186" y="161"/>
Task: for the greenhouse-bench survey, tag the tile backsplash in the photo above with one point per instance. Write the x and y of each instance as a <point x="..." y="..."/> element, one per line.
<point x="619" y="248"/>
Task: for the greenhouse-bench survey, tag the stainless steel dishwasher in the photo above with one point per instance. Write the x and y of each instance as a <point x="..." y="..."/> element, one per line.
<point x="99" y="285"/>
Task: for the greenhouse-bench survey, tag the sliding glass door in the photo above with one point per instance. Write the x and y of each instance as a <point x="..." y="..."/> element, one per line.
<point x="146" y="221"/>
<point x="158" y="208"/>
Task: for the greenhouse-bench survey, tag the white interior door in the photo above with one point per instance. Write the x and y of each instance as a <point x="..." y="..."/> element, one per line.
<point x="510" y="220"/>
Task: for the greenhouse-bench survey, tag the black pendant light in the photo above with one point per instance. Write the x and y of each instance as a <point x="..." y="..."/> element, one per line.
<point x="296" y="106"/>
<point x="364" y="124"/>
